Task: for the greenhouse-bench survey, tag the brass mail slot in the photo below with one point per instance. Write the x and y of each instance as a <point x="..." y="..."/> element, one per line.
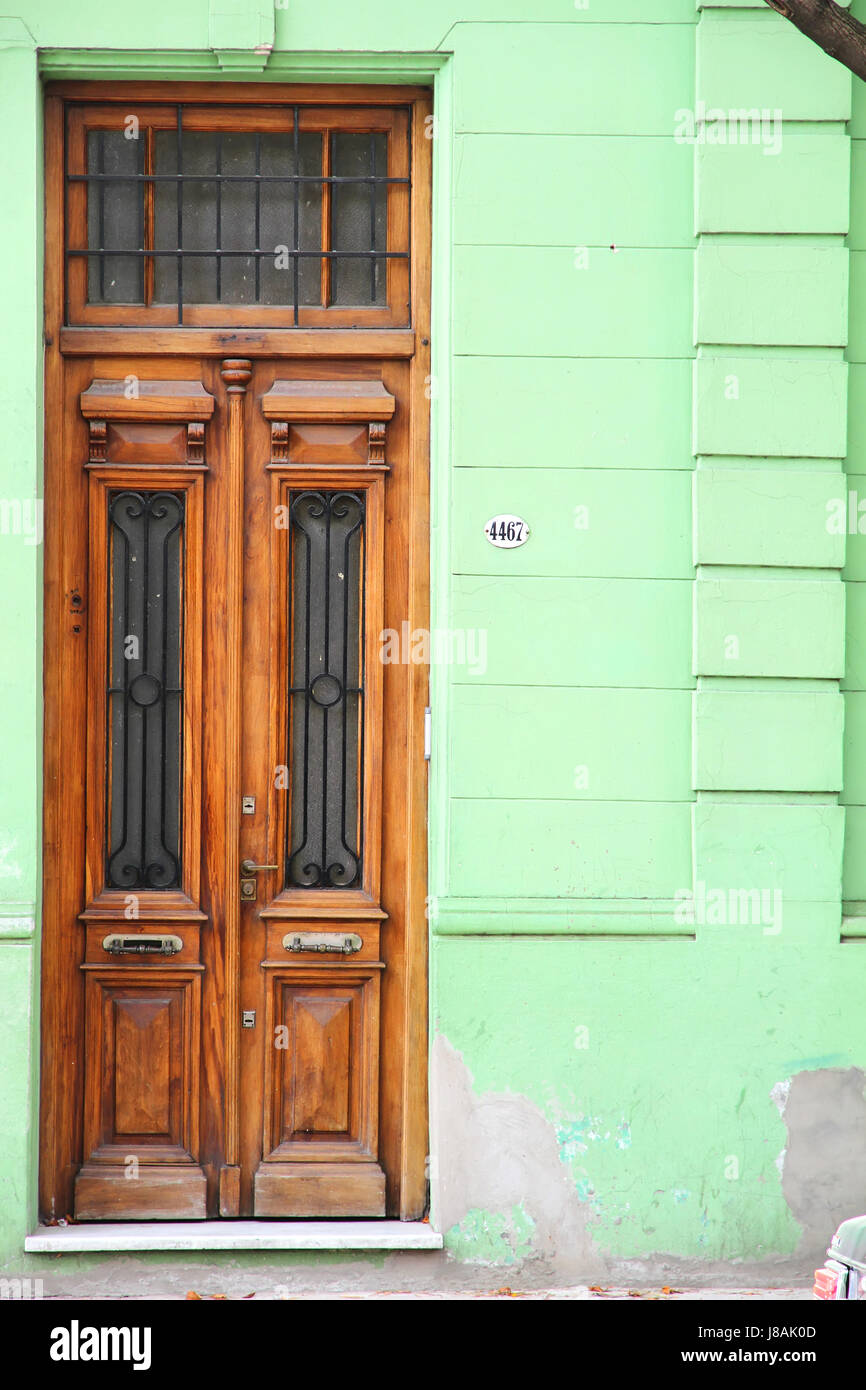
<point x="343" y="943"/>
<point x="142" y="945"/>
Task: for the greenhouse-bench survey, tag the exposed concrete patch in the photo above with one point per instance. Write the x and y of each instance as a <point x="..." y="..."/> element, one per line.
<point x="824" y="1162"/>
<point x="497" y="1154"/>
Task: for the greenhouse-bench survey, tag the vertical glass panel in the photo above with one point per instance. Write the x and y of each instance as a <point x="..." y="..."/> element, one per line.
<point x="359" y="218"/>
<point x="277" y="231"/>
<point x="145" y="694"/>
<point x="199" y="217"/>
<point x="115" y="217"/>
<point x="238" y="225"/>
<point x="326" y="695"/>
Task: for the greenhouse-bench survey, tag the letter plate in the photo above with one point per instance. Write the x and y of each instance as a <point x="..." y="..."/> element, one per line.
<point x="342" y="943"/>
<point x="142" y="945"/>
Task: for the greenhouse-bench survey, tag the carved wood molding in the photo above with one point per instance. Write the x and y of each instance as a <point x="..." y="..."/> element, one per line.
<point x="97" y="452"/>
<point x="132" y="420"/>
<point x="279" y="441"/>
<point x="376" y="444"/>
<point x="328" y="403"/>
<point x="195" y="441"/>
<point x="134" y="398"/>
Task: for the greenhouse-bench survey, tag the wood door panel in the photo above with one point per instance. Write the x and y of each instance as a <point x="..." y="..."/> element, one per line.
<point x="157" y="1102"/>
<point x="143" y="1064"/>
<point x="321" y="1074"/>
<point x="141" y="1097"/>
<point x="306" y="1189"/>
<point x="141" y="1085"/>
<point x="316" y="1094"/>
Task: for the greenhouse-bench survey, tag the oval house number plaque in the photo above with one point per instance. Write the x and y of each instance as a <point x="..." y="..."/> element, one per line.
<point x="506" y="531"/>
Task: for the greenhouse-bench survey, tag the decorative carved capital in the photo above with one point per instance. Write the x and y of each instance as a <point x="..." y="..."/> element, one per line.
<point x="195" y="442"/>
<point x="376" y="442"/>
<point x="236" y="373"/>
<point x="279" y="441"/>
<point x="98" y="441"/>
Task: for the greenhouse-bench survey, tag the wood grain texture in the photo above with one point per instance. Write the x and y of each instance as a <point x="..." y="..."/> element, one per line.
<point x="354" y="1081"/>
<point x="151" y="400"/>
<point x="252" y="342"/>
<point x="301" y="1189"/>
<point x="157" y="1194"/>
<point x="235" y="373"/>
<point x="298" y="400"/>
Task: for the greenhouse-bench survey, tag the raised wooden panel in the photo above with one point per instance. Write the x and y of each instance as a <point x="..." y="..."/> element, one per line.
<point x="317" y="1097"/>
<point x="322" y="1075"/>
<point x="326" y="443"/>
<point x="129" y="442"/>
<point x="141" y="1065"/>
<point x="141" y="1094"/>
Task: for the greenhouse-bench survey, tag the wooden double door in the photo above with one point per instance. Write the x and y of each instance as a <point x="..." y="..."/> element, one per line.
<point x="234" y="1015"/>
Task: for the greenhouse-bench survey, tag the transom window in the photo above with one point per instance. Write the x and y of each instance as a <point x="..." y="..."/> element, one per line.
<point x="202" y="215"/>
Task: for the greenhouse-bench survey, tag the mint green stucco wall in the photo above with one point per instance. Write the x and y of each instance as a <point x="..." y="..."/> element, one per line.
<point x="642" y="346"/>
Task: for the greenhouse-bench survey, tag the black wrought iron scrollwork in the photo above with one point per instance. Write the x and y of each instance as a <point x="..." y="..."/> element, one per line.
<point x="145" y="689"/>
<point x="325" y="731"/>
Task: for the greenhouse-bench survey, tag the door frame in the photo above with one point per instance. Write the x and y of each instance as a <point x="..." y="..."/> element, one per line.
<point x="405" y="1133"/>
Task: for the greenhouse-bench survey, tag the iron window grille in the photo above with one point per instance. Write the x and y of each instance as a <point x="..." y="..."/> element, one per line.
<point x="326" y="623"/>
<point x="144" y="218"/>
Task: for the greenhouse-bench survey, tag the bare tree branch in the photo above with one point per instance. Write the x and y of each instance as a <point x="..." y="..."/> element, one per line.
<point x="830" y="27"/>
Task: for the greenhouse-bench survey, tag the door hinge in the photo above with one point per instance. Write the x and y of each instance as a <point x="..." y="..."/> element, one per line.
<point x="428" y="732"/>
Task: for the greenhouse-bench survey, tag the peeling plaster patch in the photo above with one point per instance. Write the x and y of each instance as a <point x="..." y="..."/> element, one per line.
<point x="492" y="1238"/>
<point x="823" y="1173"/>
<point x="497" y="1156"/>
<point x="779" y="1095"/>
<point x="575" y="1136"/>
<point x="680" y="1195"/>
<point x="623" y="1135"/>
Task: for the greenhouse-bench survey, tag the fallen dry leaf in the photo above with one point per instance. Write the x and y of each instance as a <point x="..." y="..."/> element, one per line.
<point x="191" y="1293"/>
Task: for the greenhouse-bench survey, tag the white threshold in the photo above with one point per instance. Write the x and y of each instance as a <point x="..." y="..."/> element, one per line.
<point x="233" y="1235"/>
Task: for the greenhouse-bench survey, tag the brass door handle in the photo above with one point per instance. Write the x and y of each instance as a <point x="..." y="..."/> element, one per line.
<point x="248" y="867"/>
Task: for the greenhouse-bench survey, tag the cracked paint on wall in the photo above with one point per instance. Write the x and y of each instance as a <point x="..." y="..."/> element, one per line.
<point x="492" y="1237"/>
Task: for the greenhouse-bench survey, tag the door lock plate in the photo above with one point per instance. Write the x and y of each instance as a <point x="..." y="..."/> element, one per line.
<point x="248" y="890"/>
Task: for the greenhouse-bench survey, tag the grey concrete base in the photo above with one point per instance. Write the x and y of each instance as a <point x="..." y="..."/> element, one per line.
<point x="233" y="1235"/>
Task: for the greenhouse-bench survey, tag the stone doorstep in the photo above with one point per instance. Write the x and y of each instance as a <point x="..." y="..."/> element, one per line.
<point x="233" y="1235"/>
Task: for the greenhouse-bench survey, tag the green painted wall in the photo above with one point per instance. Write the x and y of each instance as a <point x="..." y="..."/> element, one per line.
<point x="652" y="350"/>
